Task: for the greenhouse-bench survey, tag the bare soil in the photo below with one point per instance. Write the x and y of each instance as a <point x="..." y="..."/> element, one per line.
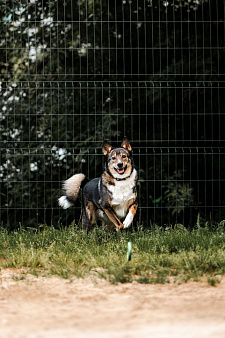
<point x="54" y="307"/>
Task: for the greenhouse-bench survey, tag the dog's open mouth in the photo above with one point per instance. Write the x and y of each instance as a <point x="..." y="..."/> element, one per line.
<point x="120" y="171"/>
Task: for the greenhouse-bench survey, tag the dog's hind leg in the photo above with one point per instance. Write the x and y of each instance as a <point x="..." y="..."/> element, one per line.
<point x="86" y="222"/>
<point x="89" y="215"/>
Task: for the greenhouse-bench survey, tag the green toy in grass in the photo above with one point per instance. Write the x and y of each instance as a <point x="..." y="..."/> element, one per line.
<point x="129" y="250"/>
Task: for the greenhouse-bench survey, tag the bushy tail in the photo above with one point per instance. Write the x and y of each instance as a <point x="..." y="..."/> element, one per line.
<point x="71" y="188"/>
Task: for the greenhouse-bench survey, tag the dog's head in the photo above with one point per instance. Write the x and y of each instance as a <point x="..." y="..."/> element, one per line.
<point x="118" y="161"/>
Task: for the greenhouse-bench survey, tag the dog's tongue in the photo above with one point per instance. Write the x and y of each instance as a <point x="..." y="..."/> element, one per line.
<point x="120" y="171"/>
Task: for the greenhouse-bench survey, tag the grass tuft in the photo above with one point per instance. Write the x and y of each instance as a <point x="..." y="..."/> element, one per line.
<point x="213" y="281"/>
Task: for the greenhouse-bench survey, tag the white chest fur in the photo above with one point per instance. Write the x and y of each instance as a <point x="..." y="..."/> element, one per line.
<point x="122" y="193"/>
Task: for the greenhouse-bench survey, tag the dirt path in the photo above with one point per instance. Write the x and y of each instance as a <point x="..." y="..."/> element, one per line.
<point x="54" y="307"/>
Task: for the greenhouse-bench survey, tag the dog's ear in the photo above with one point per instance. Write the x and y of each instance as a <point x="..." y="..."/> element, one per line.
<point x="126" y="144"/>
<point x="106" y="147"/>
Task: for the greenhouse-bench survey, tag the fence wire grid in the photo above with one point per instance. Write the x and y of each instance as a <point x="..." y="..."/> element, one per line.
<point x="73" y="73"/>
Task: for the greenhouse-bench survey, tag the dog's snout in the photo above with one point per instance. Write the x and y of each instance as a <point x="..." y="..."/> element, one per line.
<point x="120" y="165"/>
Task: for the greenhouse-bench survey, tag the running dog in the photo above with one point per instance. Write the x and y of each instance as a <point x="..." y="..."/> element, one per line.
<point x="111" y="197"/>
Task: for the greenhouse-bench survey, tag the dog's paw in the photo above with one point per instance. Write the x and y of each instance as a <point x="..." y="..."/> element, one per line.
<point x="128" y="220"/>
<point x="119" y="227"/>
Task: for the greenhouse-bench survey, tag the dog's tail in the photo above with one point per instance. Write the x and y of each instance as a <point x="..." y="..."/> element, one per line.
<point x="71" y="188"/>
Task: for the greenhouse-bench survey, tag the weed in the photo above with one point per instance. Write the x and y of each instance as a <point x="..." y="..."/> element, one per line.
<point x="213" y="281"/>
<point x="120" y="274"/>
<point x="20" y="277"/>
<point x="144" y="280"/>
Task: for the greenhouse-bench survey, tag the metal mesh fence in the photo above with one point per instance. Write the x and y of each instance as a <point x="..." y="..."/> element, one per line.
<point x="74" y="73"/>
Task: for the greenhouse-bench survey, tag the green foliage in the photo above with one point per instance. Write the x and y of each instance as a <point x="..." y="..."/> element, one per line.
<point x="75" y="72"/>
<point x="178" y="195"/>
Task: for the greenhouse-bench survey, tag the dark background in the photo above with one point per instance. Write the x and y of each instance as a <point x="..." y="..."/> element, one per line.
<point x="74" y="73"/>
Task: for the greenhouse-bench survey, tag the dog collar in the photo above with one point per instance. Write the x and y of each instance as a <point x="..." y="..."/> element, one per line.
<point x="122" y="179"/>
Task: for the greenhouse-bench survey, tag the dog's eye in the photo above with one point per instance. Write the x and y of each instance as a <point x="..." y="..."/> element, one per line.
<point x="113" y="158"/>
<point x="123" y="156"/>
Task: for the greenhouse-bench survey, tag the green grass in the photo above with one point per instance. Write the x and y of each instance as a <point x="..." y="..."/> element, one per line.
<point x="156" y="255"/>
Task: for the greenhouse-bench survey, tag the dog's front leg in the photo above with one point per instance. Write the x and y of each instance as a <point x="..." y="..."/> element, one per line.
<point x="113" y="218"/>
<point x="130" y="216"/>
